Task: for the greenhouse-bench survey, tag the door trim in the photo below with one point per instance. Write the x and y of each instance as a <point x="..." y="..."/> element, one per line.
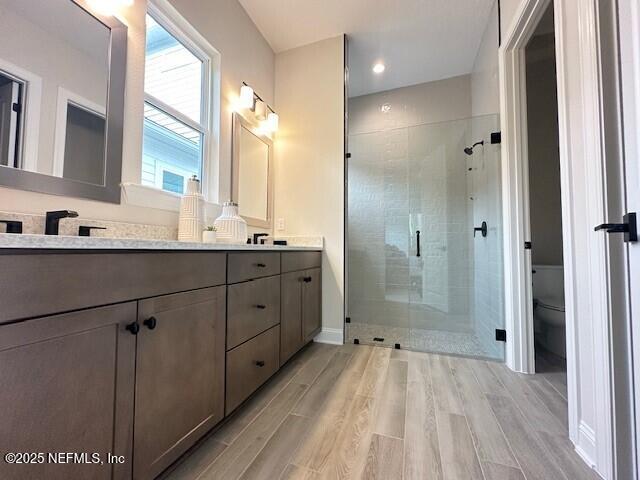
<point x="582" y="175"/>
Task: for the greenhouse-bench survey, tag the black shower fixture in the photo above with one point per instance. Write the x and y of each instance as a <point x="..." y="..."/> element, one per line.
<point x="469" y="150"/>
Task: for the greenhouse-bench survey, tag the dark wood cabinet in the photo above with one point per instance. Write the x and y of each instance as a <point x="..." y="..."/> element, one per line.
<point x="253" y="307"/>
<point x="66" y="385"/>
<point x="291" y="336"/>
<point x="179" y="375"/>
<point x="184" y="338"/>
<point x="301" y="305"/>
<point x="250" y="365"/>
<point x="311" y="303"/>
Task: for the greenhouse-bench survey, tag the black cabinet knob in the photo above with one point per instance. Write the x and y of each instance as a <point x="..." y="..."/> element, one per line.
<point x="260" y="363"/>
<point x="150" y="323"/>
<point x="261" y="307"/>
<point x="134" y="328"/>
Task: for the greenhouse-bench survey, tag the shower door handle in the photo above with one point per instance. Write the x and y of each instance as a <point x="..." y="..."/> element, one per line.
<point x="418" y="243"/>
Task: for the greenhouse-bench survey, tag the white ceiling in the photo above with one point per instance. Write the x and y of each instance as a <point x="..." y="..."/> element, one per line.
<point x="417" y="40"/>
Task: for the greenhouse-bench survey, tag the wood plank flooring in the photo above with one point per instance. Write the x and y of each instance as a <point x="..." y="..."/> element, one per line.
<point x="354" y="412"/>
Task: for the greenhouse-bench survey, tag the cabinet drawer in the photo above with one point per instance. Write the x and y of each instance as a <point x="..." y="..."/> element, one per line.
<point x="246" y="266"/>
<point x="292" y="261"/>
<point x="250" y="365"/>
<point x="253" y="307"/>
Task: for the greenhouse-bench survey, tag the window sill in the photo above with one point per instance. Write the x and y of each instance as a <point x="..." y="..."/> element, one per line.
<point x="150" y="197"/>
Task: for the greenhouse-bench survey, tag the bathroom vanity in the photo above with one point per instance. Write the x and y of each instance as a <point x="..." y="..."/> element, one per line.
<point x="138" y="352"/>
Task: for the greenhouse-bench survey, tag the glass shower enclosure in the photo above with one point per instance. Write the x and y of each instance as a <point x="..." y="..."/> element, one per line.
<point x="424" y="237"/>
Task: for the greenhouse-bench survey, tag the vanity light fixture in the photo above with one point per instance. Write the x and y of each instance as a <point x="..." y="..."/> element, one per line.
<point x="266" y="117"/>
<point x="246" y="97"/>
<point x="261" y="110"/>
<point x="272" y="121"/>
<point x="378" y="67"/>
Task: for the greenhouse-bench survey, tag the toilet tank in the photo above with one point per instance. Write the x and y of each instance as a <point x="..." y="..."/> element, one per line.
<point x="548" y="281"/>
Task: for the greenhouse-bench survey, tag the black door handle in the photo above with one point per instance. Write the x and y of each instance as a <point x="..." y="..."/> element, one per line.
<point x="150" y="323"/>
<point x="629" y="227"/>
<point x="482" y="228"/>
<point x="260" y="363"/>
<point x="417" y="243"/>
<point x="134" y="328"/>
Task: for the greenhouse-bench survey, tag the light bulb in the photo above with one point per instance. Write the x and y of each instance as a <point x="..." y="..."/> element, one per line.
<point x="261" y="110"/>
<point x="378" y="68"/>
<point x="272" y="121"/>
<point x="246" y="97"/>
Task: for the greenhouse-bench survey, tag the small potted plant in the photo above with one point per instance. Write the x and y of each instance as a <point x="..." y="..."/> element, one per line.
<point x="209" y="235"/>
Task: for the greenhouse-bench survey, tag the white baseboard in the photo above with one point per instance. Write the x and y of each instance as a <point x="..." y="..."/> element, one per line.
<point x="586" y="445"/>
<point x="334" y="336"/>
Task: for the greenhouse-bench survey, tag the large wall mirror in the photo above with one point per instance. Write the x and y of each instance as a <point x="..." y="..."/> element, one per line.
<point x="62" y="73"/>
<point x="252" y="187"/>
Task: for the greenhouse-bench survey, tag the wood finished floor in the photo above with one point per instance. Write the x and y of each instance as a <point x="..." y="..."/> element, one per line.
<point x="357" y="411"/>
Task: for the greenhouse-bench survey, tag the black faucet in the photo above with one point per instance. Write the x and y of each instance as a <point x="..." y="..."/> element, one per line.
<point x="256" y="237"/>
<point x="53" y="220"/>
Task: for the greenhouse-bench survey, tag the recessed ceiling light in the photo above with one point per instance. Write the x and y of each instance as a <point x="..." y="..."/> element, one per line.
<point x="378" y="68"/>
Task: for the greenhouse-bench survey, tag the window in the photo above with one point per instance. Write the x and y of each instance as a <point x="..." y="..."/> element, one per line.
<point x="176" y="107"/>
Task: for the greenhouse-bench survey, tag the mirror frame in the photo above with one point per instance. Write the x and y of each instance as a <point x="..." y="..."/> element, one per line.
<point x="237" y="124"/>
<point x="111" y="190"/>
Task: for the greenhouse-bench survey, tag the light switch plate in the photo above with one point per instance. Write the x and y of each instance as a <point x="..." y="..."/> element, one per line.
<point x="280" y="224"/>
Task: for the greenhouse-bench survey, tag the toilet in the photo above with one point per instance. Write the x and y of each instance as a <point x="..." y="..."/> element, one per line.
<point x="548" y="308"/>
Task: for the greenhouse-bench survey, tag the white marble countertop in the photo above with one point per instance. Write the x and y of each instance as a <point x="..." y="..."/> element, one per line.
<point x="60" y="242"/>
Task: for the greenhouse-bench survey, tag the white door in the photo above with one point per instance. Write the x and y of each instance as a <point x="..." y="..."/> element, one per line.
<point x="629" y="35"/>
<point x="9" y="95"/>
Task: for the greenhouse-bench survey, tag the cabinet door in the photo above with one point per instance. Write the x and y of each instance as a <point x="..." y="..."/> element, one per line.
<point x="179" y="375"/>
<point x="311" y="303"/>
<point x="67" y="386"/>
<point x="291" y="338"/>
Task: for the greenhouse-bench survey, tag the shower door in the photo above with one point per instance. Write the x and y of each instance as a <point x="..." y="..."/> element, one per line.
<point x="421" y="273"/>
<point x="378" y="239"/>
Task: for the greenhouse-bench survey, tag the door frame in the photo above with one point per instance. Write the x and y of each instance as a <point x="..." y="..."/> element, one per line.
<point x="583" y="198"/>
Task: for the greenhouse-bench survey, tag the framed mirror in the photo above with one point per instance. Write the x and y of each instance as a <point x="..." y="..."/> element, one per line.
<point x="62" y="78"/>
<point x="252" y="177"/>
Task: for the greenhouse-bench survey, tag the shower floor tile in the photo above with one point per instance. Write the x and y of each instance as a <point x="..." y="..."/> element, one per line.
<point x="422" y="340"/>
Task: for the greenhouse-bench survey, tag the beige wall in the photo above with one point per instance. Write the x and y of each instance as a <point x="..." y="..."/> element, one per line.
<point x="485" y="85"/>
<point x="544" y="155"/>
<point x="245" y="56"/>
<point x="309" y="158"/>
<point x="432" y="102"/>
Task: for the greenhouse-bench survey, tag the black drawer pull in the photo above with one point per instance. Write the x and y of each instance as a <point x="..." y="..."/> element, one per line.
<point x="260" y="265"/>
<point x="261" y="307"/>
<point x="134" y="328"/>
<point x="306" y="279"/>
<point x="260" y="363"/>
<point x="150" y="323"/>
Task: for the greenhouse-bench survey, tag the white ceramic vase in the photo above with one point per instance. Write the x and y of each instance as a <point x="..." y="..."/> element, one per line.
<point x="231" y="227"/>
<point x="191" y="219"/>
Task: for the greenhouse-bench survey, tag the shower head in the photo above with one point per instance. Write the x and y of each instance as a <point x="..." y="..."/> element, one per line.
<point x="469" y="150"/>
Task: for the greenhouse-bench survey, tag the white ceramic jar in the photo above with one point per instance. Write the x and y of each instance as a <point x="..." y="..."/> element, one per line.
<point x="190" y="222"/>
<point x="230" y="226"/>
